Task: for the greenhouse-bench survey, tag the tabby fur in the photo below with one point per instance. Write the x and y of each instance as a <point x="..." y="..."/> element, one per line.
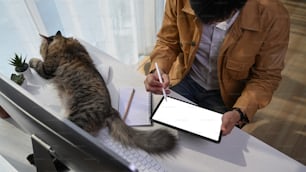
<point x="67" y="63"/>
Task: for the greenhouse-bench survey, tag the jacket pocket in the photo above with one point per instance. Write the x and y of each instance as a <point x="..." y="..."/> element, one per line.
<point x="238" y="70"/>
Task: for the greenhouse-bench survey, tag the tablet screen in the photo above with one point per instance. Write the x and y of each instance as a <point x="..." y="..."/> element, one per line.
<point x="188" y="117"/>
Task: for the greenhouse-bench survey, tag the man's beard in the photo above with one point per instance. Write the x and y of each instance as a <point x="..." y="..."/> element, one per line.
<point x="210" y="11"/>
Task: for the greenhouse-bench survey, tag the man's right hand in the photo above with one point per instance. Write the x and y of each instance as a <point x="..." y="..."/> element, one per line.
<point x="153" y="85"/>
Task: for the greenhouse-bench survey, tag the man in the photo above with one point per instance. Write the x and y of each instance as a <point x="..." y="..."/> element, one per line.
<point x="225" y="55"/>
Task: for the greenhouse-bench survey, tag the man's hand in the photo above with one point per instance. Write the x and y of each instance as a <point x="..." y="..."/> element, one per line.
<point x="153" y="85"/>
<point x="229" y="120"/>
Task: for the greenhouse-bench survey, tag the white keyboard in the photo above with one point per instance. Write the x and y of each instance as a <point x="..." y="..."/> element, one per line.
<point x="141" y="159"/>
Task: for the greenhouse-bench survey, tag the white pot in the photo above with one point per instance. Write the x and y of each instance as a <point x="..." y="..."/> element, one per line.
<point x="27" y="74"/>
<point x="24" y="84"/>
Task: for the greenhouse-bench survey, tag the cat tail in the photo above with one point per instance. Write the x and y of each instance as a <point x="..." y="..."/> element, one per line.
<point x="157" y="141"/>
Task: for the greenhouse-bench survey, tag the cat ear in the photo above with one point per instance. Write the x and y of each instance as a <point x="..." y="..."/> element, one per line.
<point x="43" y="36"/>
<point x="58" y="33"/>
<point x="49" y="39"/>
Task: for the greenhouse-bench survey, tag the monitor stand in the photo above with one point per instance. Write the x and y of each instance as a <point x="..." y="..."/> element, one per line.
<point x="43" y="157"/>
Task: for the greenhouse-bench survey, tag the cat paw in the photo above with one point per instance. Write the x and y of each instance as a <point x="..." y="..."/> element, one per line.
<point x="34" y="62"/>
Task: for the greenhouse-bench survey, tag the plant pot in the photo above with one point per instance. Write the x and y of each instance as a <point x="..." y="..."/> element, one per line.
<point x="24" y="84"/>
<point x="27" y="74"/>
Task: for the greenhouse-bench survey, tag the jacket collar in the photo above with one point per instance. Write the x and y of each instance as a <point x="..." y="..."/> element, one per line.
<point x="250" y="18"/>
<point x="249" y="14"/>
<point x="187" y="8"/>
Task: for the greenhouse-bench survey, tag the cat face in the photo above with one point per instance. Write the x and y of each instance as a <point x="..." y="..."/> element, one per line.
<point x="47" y="43"/>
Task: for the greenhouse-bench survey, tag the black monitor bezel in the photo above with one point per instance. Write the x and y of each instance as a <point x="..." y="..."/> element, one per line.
<point x="71" y="144"/>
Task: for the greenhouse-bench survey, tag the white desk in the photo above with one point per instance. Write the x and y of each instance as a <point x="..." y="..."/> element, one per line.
<point x="6" y="166"/>
<point x="238" y="151"/>
<point x="15" y="146"/>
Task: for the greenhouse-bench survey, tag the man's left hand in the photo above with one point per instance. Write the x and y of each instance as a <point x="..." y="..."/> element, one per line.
<point x="229" y="120"/>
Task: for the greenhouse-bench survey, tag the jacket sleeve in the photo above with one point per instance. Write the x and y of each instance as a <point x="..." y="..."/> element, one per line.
<point x="266" y="73"/>
<point x="167" y="45"/>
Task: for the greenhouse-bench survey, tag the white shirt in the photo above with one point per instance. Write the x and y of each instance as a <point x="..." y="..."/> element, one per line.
<point x="204" y="69"/>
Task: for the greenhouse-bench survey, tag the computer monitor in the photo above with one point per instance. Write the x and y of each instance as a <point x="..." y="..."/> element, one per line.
<point x="57" y="138"/>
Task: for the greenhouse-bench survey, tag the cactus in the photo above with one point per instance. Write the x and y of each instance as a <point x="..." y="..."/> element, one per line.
<point x="17" y="78"/>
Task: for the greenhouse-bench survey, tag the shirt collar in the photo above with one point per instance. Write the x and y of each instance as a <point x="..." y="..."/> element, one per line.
<point x="224" y="25"/>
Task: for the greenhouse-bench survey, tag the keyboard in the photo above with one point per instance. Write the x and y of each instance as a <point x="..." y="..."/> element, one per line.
<point x="143" y="161"/>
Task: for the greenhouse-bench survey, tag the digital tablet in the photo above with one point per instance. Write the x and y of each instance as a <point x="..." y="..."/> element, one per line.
<point x="188" y="117"/>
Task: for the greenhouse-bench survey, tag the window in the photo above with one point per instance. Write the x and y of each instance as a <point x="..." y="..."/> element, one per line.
<point x="124" y="29"/>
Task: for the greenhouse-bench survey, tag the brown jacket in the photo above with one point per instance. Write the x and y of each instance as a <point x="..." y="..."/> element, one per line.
<point x="251" y="57"/>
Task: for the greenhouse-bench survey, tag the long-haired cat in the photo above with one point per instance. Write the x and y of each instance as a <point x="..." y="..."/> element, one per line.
<point x="87" y="98"/>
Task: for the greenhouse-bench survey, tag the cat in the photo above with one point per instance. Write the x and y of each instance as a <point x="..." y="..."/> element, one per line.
<point x="68" y="65"/>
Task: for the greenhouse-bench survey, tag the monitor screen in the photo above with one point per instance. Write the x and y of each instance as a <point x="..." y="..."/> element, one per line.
<point x="75" y="148"/>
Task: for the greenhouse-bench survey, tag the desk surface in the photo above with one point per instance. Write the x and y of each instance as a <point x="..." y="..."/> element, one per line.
<point x="15" y="146"/>
<point x="238" y="151"/>
<point x="5" y="165"/>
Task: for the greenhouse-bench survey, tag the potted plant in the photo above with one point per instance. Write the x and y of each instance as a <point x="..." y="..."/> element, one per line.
<point x="20" y="64"/>
<point x="21" y="67"/>
<point x="18" y="78"/>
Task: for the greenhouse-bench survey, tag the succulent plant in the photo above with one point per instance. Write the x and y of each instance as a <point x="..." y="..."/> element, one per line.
<point x="19" y="63"/>
<point x="17" y="78"/>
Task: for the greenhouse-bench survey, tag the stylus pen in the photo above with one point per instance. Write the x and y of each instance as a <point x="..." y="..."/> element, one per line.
<point x="160" y="80"/>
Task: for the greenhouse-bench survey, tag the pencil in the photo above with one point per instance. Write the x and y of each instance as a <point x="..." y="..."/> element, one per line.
<point x="128" y="105"/>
